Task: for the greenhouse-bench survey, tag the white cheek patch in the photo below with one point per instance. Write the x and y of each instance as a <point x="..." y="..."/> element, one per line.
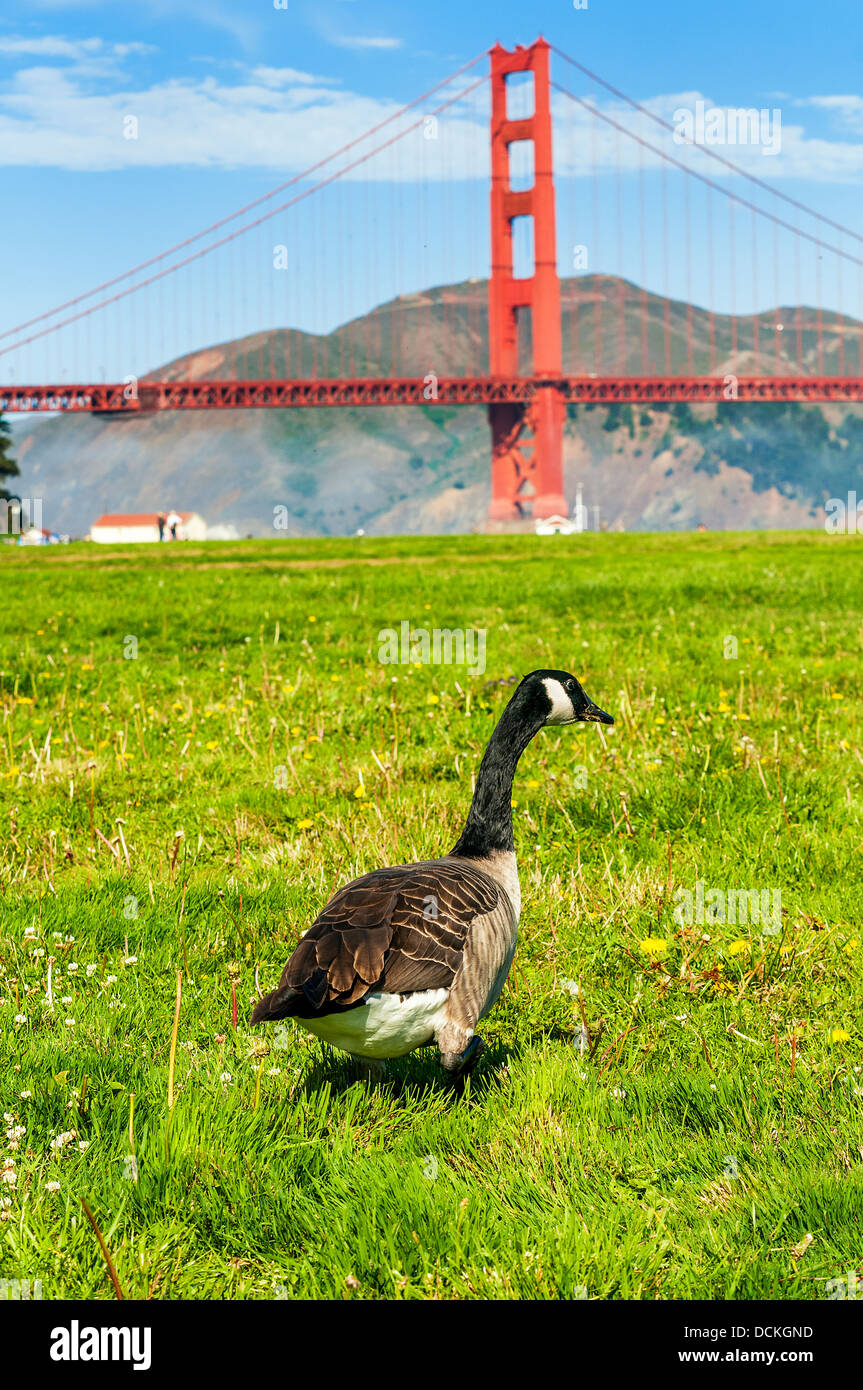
<point x="562" y="710"/>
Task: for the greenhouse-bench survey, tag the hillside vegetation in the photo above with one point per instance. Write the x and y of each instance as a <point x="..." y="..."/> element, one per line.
<point x="427" y="470"/>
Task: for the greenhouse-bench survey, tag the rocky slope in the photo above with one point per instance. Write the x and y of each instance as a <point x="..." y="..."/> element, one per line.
<point x="426" y="469"/>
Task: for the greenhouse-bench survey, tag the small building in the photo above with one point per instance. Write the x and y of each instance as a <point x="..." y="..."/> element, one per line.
<point x="124" y="528"/>
<point x="555" y="525"/>
<point x="568" y="525"/>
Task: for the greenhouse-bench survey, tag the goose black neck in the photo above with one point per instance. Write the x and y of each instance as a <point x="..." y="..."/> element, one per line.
<point x="489" y="823"/>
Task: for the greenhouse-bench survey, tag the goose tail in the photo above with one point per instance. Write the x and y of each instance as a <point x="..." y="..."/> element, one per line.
<point x="279" y="1003"/>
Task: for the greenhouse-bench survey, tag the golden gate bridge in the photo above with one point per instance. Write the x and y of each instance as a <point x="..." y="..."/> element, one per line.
<point x="529" y="343"/>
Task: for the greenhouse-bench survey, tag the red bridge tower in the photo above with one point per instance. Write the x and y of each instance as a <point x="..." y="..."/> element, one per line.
<point x="527" y="439"/>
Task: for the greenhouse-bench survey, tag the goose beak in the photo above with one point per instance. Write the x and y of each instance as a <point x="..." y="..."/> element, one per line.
<point x="594" y="715"/>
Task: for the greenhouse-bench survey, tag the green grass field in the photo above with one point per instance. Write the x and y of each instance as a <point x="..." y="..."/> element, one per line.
<point x="199" y="744"/>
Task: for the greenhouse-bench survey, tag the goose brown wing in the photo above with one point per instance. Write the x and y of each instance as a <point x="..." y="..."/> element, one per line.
<point x="399" y="930"/>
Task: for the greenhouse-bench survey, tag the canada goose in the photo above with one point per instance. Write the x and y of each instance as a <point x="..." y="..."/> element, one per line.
<point x="406" y="956"/>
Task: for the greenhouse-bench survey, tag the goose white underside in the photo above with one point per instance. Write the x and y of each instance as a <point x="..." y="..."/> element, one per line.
<point x="384" y="1025"/>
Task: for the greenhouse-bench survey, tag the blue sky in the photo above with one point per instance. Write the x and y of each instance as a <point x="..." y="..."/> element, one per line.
<point x="233" y="98"/>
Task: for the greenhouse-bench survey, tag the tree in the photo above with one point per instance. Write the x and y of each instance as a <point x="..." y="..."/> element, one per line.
<point x="8" y="466"/>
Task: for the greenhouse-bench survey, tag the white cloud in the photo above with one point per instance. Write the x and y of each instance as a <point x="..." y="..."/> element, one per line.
<point x="51" y="46"/>
<point x="270" y="118"/>
<point x="287" y="77"/>
<point x="849" y="108"/>
<point x="244" y="26"/>
<point x="71" y="115"/>
<point x="358" y="43"/>
<point x="582" y="141"/>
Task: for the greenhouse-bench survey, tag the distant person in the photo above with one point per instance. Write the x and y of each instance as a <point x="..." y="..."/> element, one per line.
<point x="161" y="520"/>
<point x="173" y="522"/>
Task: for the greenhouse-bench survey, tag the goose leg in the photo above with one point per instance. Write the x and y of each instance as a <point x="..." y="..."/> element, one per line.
<point x="371" y="1069"/>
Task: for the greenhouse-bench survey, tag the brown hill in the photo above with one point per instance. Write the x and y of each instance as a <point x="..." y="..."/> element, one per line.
<point x="426" y="469"/>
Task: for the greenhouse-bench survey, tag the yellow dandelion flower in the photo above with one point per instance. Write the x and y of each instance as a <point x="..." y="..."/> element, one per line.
<point x="839" y="1035"/>
<point x="433" y="699"/>
<point x="304" y="824"/>
<point x="723" y="708"/>
<point x="851" y="945"/>
<point x="359" y="793"/>
<point x="738" y="947"/>
<point x="312" y="618"/>
<point x="212" y="744"/>
<point x="295" y="728"/>
<point x="654" y="945"/>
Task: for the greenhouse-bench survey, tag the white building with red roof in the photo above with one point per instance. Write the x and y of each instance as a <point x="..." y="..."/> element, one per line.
<point x="123" y="528"/>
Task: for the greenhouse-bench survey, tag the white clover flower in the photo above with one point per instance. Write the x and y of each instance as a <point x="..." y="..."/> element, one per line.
<point x="130" y="960"/>
<point x="70" y="1022"/>
<point x="110" y="979"/>
<point x="65" y="1137"/>
<point x="67" y="999"/>
<point x="71" y="968"/>
<point x="9" y="1176"/>
<point x="225" y="1078"/>
<point x="29" y="933"/>
<point x="20" y="1018"/>
<point x="52" y="1187"/>
<point x="40" y="951"/>
<point x="91" y="969"/>
<point x="83" y="1145"/>
<point x="26" y="1095"/>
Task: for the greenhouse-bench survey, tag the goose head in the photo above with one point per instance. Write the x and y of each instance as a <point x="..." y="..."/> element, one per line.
<point x="558" y="698"/>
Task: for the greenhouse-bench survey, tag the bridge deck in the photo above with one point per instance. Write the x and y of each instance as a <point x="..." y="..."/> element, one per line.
<point x="129" y="397"/>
